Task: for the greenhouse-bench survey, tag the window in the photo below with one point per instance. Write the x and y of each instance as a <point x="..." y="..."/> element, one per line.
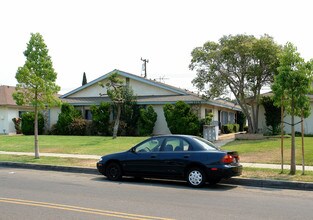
<point x="151" y="145"/>
<point x="88" y="115"/>
<point x="175" y="144"/>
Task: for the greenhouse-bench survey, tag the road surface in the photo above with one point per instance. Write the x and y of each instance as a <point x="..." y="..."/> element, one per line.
<point x="33" y="194"/>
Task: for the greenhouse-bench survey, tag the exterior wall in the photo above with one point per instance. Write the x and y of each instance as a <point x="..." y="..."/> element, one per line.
<point x="160" y="126"/>
<point x="139" y="88"/>
<point x="3" y="120"/>
<point x="308" y="124"/>
<point x="53" y="115"/>
<point x="142" y="89"/>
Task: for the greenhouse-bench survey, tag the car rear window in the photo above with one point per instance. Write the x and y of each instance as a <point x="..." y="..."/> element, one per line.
<point x="205" y="144"/>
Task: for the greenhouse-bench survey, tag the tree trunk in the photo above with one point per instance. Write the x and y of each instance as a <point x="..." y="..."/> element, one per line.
<point x="282" y="135"/>
<point x="36" y="133"/>
<point x="293" y="144"/>
<point x="117" y="121"/>
<point x="302" y="132"/>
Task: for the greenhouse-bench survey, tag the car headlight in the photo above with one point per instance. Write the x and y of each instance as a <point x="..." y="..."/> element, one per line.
<point x="100" y="159"/>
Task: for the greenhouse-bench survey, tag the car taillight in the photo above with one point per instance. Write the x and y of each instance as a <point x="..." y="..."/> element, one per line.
<point x="227" y="159"/>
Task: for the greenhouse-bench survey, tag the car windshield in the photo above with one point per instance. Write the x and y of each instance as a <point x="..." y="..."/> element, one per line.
<point x="207" y="145"/>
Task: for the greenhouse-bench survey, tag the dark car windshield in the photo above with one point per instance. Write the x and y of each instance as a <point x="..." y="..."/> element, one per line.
<point x="205" y="144"/>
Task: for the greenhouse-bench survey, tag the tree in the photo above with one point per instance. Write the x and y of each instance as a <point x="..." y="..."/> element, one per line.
<point x="119" y="93"/>
<point x="241" y="63"/>
<point x="84" y="79"/>
<point x="36" y="81"/>
<point x="272" y="114"/>
<point x="291" y="87"/>
<point x="180" y="119"/>
<point x="147" y="120"/>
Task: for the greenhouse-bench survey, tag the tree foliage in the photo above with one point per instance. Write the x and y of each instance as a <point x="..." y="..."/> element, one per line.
<point x="121" y="96"/>
<point x="291" y="87"/>
<point x="242" y="64"/>
<point x="180" y="119"/>
<point x="272" y="114"/>
<point x="84" y="82"/>
<point x="101" y="117"/>
<point x="147" y="121"/>
<point x="36" y="81"/>
<point x="66" y="117"/>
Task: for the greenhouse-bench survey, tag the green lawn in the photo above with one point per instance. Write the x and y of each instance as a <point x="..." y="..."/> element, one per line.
<point x="95" y="145"/>
<point x="269" y="150"/>
<point x="257" y="151"/>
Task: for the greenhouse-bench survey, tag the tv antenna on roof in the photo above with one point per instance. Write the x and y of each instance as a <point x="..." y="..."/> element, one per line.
<point x="144" y="66"/>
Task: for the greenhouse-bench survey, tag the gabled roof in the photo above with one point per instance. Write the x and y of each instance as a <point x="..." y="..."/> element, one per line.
<point x="131" y="76"/>
<point x="6" y="97"/>
<point x="181" y="94"/>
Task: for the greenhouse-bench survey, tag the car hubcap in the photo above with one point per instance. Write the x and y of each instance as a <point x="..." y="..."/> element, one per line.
<point x="195" y="177"/>
<point x="113" y="172"/>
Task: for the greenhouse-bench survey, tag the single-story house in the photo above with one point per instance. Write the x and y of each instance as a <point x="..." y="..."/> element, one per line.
<point x="148" y="92"/>
<point x="151" y="92"/>
<point x="308" y="122"/>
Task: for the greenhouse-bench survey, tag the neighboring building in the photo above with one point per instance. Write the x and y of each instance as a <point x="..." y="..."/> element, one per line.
<point x="9" y="110"/>
<point x="308" y="122"/>
<point x="149" y="92"/>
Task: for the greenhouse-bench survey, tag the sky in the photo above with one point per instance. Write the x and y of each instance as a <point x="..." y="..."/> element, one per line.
<point x="98" y="36"/>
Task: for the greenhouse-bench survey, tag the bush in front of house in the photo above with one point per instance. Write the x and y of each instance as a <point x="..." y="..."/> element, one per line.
<point x="241" y="120"/>
<point x="100" y="118"/>
<point x="180" y="119"/>
<point x="66" y="117"/>
<point x="236" y="127"/>
<point x="78" y="127"/>
<point x="28" y="122"/>
<point x="147" y="119"/>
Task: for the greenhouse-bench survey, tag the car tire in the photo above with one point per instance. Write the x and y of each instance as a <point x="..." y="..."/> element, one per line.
<point x="196" y="177"/>
<point x="114" y="171"/>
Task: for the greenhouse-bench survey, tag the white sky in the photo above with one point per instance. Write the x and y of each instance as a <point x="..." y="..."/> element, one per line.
<point x="97" y="36"/>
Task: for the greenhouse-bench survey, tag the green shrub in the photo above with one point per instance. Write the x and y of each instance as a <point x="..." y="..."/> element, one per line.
<point x="100" y="119"/>
<point x="236" y="127"/>
<point x="146" y="121"/>
<point x="180" y="119"/>
<point x="228" y="128"/>
<point x="66" y="117"/>
<point x="28" y="123"/>
<point x="245" y="128"/>
<point x="241" y="120"/>
<point x="78" y="127"/>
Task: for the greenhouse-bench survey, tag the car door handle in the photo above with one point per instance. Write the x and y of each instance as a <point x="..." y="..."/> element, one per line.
<point x="186" y="156"/>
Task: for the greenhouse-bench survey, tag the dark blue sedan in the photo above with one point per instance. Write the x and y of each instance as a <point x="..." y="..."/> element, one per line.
<point x="173" y="157"/>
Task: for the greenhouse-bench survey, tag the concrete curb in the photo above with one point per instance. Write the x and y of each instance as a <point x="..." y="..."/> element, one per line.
<point x="232" y="181"/>
<point x="85" y="170"/>
<point x="270" y="183"/>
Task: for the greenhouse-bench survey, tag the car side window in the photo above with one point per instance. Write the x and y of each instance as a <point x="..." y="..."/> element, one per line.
<point x="175" y="144"/>
<point x="152" y="145"/>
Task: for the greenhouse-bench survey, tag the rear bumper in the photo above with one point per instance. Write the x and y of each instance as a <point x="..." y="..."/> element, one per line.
<point x="225" y="171"/>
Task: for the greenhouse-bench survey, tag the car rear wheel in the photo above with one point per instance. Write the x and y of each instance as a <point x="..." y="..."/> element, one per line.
<point x="114" y="171"/>
<point x="196" y="177"/>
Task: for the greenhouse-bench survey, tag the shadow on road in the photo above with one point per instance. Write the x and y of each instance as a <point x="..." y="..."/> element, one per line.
<point x="164" y="183"/>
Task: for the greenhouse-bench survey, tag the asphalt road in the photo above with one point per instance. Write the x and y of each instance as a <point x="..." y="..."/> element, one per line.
<point x="33" y="194"/>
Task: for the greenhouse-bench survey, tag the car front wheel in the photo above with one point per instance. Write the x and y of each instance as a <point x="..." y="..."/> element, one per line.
<point x="114" y="171"/>
<point x="196" y="177"/>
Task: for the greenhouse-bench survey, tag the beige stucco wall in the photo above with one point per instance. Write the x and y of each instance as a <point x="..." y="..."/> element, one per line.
<point x="139" y="88"/>
<point x="308" y="123"/>
<point x="53" y="115"/>
<point x="160" y="126"/>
